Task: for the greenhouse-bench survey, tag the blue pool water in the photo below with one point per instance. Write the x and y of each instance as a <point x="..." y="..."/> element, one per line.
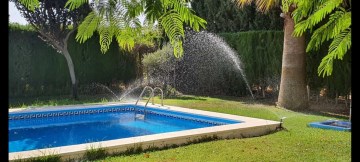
<point x="333" y="125"/>
<point x="45" y="129"/>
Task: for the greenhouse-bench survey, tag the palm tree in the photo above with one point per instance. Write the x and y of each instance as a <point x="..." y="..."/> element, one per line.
<point x="292" y="93"/>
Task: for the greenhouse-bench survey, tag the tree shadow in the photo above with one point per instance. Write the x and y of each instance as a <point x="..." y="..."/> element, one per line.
<point x="186" y="97"/>
<point x="330" y="110"/>
<point x="269" y="101"/>
<point x="315" y="108"/>
<point x="325" y="114"/>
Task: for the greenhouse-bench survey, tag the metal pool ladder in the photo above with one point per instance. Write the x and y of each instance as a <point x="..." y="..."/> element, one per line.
<point x="151" y="96"/>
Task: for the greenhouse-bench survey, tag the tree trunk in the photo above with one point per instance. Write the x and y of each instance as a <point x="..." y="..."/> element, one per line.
<point x="72" y="73"/>
<point x="292" y="94"/>
<point x="140" y="70"/>
<point x="65" y="52"/>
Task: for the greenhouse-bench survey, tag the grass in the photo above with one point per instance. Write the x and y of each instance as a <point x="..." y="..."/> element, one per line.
<point x="297" y="142"/>
<point x="93" y="153"/>
<point x="26" y="102"/>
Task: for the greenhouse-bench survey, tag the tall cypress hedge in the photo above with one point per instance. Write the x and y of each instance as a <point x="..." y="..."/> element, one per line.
<point x="261" y="54"/>
<point x="36" y="69"/>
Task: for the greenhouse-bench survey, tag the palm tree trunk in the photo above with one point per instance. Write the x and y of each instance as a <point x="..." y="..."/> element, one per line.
<point x="292" y="93"/>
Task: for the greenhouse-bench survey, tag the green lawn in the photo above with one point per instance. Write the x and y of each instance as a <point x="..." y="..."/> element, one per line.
<point x="297" y="143"/>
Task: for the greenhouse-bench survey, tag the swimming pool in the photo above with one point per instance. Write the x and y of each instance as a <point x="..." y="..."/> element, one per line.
<point x="30" y="131"/>
<point x="120" y="126"/>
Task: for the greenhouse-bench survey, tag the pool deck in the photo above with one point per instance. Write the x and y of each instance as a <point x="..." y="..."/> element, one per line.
<point x="251" y="127"/>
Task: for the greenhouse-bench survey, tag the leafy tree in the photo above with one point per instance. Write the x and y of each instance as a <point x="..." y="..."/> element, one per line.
<point x="329" y="20"/>
<point x="118" y="18"/>
<point x="55" y="24"/>
<point x="292" y="93"/>
<point x="224" y="16"/>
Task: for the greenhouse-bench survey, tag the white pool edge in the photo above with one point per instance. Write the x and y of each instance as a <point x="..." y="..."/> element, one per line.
<point x="250" y="128"/>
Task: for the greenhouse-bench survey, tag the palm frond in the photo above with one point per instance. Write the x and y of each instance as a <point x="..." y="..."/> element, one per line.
<point x="305" y="8"/>
<point x="187" y="15"/>
<point x="106" y="33"/>
<point x="242" y="3"/>
<point x="153" y="10"/>
<point x="88" y="27"/>
<point x="316" y="17"/>
<point x="266" y="5"/>
<point x="338" y="48"/>
<point x="119" y="18"/>
<point x="74" y="4"/>
<point x="126" y="38"/>
<point x="172" y="24"/>
<point x="30" y="4"/>
<point x="340" y="45"/>
<point x="342" y="22"/>
<point x="134" y="7"/>
<point x="338" y="22"/>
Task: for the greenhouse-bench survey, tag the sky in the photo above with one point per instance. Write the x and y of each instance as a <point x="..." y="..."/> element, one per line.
<point x="15" y="15"/>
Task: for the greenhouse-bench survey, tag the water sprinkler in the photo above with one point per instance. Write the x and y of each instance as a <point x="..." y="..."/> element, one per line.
<point x="281" y="121"/>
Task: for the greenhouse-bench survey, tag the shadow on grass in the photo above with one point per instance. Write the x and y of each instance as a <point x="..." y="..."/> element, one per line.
<point x="325" y="114"/>
<point x="186" y="97"/>
<point x="271" y="101"/>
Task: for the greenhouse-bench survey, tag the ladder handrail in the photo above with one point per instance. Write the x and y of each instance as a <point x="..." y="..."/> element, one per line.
<point x="151" y="96"/>
<point x="152" y="90"/>
<point x="162" y="96"/>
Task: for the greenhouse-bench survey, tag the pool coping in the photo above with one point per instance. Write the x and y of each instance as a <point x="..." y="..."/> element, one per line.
<point x="250" y="127"/>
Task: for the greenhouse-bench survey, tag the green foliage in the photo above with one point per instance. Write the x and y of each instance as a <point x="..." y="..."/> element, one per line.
<point x="339" y="82"/>
<point x="265" y="5"/>
<point x="42" y="71"/>
<point x="337" y="50"/>
<point x="17" y="26"/>
<point x="329" y="20"/>
<point x="30" y="4"/>
<point x="44" y="158"/>
<point x="110" y="19"/>
<point x="41" y="101"/>
<point x="173" y="29"/>
<point x="74" y="4"/>
<point x="86" y="31"/>
<point x="118" y="18"/>
<point x="260" y="52"/>
<point x="157" y="62"/>
<point x="93" y="153"/>
<point x="225" y="16"/>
